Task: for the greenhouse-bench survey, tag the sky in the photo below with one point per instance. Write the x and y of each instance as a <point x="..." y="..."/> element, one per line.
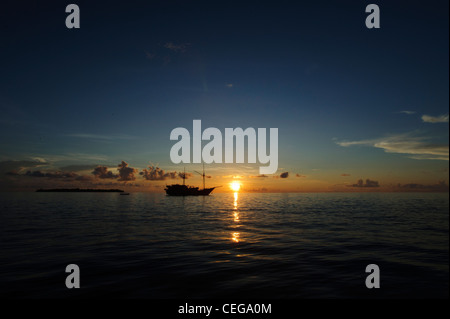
<point x="356" y="109"/>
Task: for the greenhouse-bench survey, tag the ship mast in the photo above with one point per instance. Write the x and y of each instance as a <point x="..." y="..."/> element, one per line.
<point x="202" y="175"/>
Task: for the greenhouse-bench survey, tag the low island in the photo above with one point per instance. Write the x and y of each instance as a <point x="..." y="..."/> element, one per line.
<point x="80" y="190"/>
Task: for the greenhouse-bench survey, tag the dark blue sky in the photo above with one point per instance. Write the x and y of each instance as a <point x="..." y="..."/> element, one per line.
<point x="115" y="88"/>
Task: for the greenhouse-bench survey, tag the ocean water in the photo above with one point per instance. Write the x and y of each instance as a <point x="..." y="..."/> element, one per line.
<point x="272" y="246"/>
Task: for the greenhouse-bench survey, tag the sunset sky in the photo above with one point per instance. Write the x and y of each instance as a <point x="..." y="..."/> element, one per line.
<point x="350" y="103"/>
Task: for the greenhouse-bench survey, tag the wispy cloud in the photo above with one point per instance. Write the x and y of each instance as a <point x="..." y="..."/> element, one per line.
<point x="149" y="55"/>
<point x="442" y="186"/>
<point x="407" y="112"/>
<point x="166" y="52"/>
<point x="78" y="168"/>
<point x="49" y="159"/>
<point x="182" y="47"/>
<point x="435" y="119"/>
<point x="419" y="147"/>
<point x="102" y="137"/>
<point x="258" y="176"/>
<point x="39" y="159"/>
<point x="15" y="167"/>
<point x="56" y="174"/>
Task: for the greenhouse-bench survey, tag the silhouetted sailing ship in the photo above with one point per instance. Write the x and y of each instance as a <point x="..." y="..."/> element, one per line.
<point x="185" y="190"/>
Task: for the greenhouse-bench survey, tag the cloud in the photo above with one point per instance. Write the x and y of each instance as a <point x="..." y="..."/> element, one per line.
<point x="85" y="178"/>
<point x="187" y="175"/>
<point x="103" y="173"/>
<point x="182" y="47"/>
<point x="149" y="55"/>
<point x="73" y="157"/>
<point x="12" y="173"/>
<point x="442" y="186"/>
<point x="40" y="160"/>
<point x="115" y="184"/>
<point x="166" y="60"/>
<point x="126" y="173"/>
<point x="428" y="157"/>
<point x="77" y="168"/>
<point x="57" y="174"/>
<point x="345" y="175"/>
<point x="419" y="147"/>
<point x="407" y="112"/>
<point x="229" y="85"/>
<point x="165" y="53"/>
<point x="258" y="190"/>
<point x="35" y="174"/>
<point x="154" y="173"/>
<point x="18" y="166"/>
<point x="435" y="119"/>
<point x="102" y="137"/>
<point x="369" y="183"/>
<point x="259" y="176"/>
<point x="284" y="175"/>
<point x="298" y="175"/>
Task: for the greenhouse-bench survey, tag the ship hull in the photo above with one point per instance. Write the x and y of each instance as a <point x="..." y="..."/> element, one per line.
<point x="188" y="191"/>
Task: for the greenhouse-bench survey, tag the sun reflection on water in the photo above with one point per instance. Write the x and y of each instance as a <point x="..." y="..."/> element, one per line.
<point x="235" y="235"/>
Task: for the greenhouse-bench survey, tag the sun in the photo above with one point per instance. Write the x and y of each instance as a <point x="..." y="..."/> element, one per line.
<point x="235" y="186"/>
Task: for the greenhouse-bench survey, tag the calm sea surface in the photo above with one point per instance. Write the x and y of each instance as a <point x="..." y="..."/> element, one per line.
<point x="224" y="245"/>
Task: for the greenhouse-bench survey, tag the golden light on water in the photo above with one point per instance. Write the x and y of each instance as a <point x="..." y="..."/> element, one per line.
<point x="235" y="235"/>
<point x="235" y="186"/>
<point x="235" y="205"/>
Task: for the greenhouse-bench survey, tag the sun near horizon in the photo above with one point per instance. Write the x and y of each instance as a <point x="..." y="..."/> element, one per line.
<point x="235" y="186"/>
